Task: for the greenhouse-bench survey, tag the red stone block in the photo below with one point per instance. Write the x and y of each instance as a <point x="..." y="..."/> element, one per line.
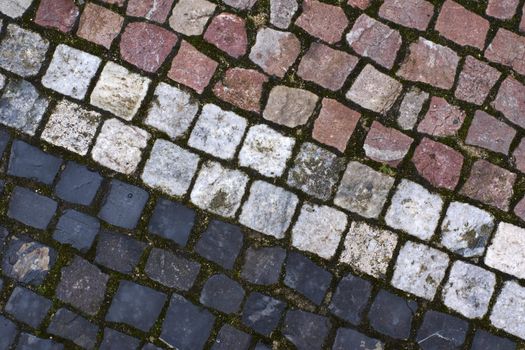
<point x="519" y="156"/>
<point x="488" y="132"/>
<point x="508" y="49"/>
<point x="324" y="21"/>
<point x="475" y="81"/>
<point x="99" y="25"/>
<point x="228" y="33"/>
<point x="502" y="9"/>
<point x="360" y="4"/>
<point x="154" y="10"/>
<point x="511" y="101"/>
<point x="57" y="14"/>
<point x="442" y="118"/>
<point x="519" y="209"/>
<point x="386" y="145"/>
<point x="408" y="13"/>
<point x="242" y="88"/>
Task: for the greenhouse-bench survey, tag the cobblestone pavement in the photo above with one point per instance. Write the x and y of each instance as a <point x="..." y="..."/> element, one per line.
<point x="262" y="174"/>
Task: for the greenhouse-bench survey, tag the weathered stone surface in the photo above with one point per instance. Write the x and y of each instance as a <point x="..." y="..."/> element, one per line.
<point x="72" y="127"/>
<point x="453" y="331"/>
<point x="351" y="299"/>
<point x="268" y="209"/>
<point x="190" y="16"/>
<point x="374" y="90"/>
<point x="170" y="168"/>
<point x="360" y="4"/>
<point x="282" y="12"/>
<point x="490" y="133"/>
<point x="228" y="33"/>
<point x="171" y="270"/>
<point x="126" y="248"/>
<point x="506" y="313"/>
<point x="76" y="229"/>
<point x="222" y="293"/>
<point x="484" y="340"/>
<point x="507" y="250"/>
<point x="306" y="277"/>
<point x="119" y="146"/>
<point x="408" y="13"/>
<point x="73" y="327"/>
<point x="326" y="67"/>
<point x="519" y="209"/>
<point x="419" y="270"/>
<point x="242" y="88"/>
<point x="14" y="8"/>
<point x="275" y="51"/>
<point x="289" y="106"/>
<point x="318" y="230"/>
<point x="502" y="9"/>
<point x="442" y="118"/>
<point x="30" y="162"/>
<point x="368" y="249"/>
<point x="507" y="48"/>
<point x="57" y="14"/>
<point x="386" y="145"/>
<point x="27" y="307"/>
<point x="31" y="208"/>
<point x="112" y="337"/>
<point x="511" y="101"/>
<point x="78" y="184"/>
<point x="119" y="91"/>
<point x="231" y="338"/>
<point x="122" y="206"/>
<point x="99" y="25"/>
<point x="262" y="313"/>
<point x="263" y="265"/>
<point x="266" y="151"/>
<point x="371" y="38"/>
<point x="221" y="243"/>
<point x="475" y="81"/>
<point x="410" y="108"/>
<point x="348" y="337"/>
<point x="414" y="210"/>
<point x="172" y="220"/>
<point x="153" y="10"/>
<point x="430" y="63"/>
<point x="363" y="190"/>
<point x="392" y="315"/>
<point x="519" y="156"/>
<point x="306" y="330"/>
<point x="240" y="4"/>
<point x="324" y="21"/>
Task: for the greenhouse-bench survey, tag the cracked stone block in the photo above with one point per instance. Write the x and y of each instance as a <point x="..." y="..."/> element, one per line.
<point x="441" y="331"/>
<point x="469" y="289"/>
<point x="136" y="305"/>
<point x="123" y="205"/>
<point x="392" y="315"/>
<point x="419" y="270"/>
<point x="217" y="132"/>
<point x="83" y="286"/>
<point x="77" y="230"/>
<point x="126" y="248"/>
<point x="30" y="162"/>
<point x="8" y="333"/>
<point x="222" y="293"/>
<point x="363" y="190"/>
<point x="262" y="313"/>
<point x="506" y="48"/>
<point x="307" y="278"/>
<point x="22" y="51"/>
<point x="71" y="71"/>
<point x="290" y="106"/>
<point x="490" y="133"/>
<point x="73" y="327"/>
<point x="486" y="341"/>
<point x="282" y="12"/>
<point x="186" y="326"/>
<point x="373" y="39"/>
<point x="146" y="45"/>
<point x="386" y="145"/>
<point x="374" y="90"/>
<point x="430" y="63"/>
<point x="172" y="220"/>
<point x="171" y="270"/>
<point x="29" y="342"/>
<point x="266" y="150"/>
<point x="152" y="10"/>
<point x="414" y="14"/>
<point x="442" y="118"/>
<point x="315" y="171"/>
<point x="324" y="21"/>
<point x="263" y="265"/>
<point x="22" y="106"/>
<point x="71" y="127"/>
<point x="99" y="25"/>
<point x="414" y="210"/>
<point x="170" y="168"/>
<point x="502" y="9"/>
<point x="57" y="14"/>
<point x="306" y="330"/>
<point x="351" y="299"/>
<point x="369" y="249"/>
<point x="475" y="81"/>
<point x="466" y="229"/>
<point x="319" y="229"/>
<point x="410" y="108"/>
<point x="268" y="209"/>
<point x="490" y="184"/>
<point x="242" y="88"/>
<point x="220" y="243"/>
<point x="219" y="189"/>
<point x="78" y="184"/>
<point x="349" y="338"/>
<point x="326" y="67"/>
<point x="119" y="146"/>
<point x="189" y="17"/>
<point x="227" y="32"/>
<point x="275" y="51"/>
<point x="511" y="100"/>
<point x="27" y="307"/>
<point x="30" y="208"/>
<point x="231" y="338"/>
<point x="14" y="8"/>
<point x="114" y="338"/>
<point x="507" y="250"/>
<point x="506" y="312"/>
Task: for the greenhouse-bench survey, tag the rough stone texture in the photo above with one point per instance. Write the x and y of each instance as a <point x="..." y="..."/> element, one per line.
<point x="190" y="16"/>
<point x="153" y="10"/>
<point x="374" y="90"/>
<point x="123" y="204"/>
<point x="230" y="337"/>
<point x="29" y="162"/>
<point x="324" y="21"/>
<point x="30" y="208"/>
<point x="490" y="133"/>
<point x="57" y="14"/>
<point x="268" y="209"/>
<point x="172" y="220"/>
<point x="511" y="101"/>
<point x="519" y="209"/>
<point x="475" y="81"/>
<point x="242" y="88"/>
<point x="363" y="190"/>
<point x="119" y="146"/>
<point x="282" y="12"/>
<point x="78" y="184"/>
<point x="112" y="337"/>
<point x="442" y="118"/>
<point x="487" y="341"/>
<point x="275" y="51"/>
<point x="419" y="270"/>
<point x="99" y="25"/>
<point x="167" y="100"/>
<point x="360" y="4"/>
<point x="119" y="91"/>
<point x="318" y="230"/>
<point x="462" y="26"/>
<point x="351" y="299"/>
<point x="414" y="210"/>
<point x="170" y="168"/>
<point x="335" y="124"/>
<point x="519" y="156"/>
<point x="368" y="249"/>
<point x="410" y="108"/>
<point x="220" y="243"/>
<point x="218" y="189"/>
<point x="490" y="184"/>
<point x="14" y="8"/>
<point x="408" y="13"/>
<point x="386" y="145"/>
<point x="76" y="229"/>
<point x="307" y="331"/>
<point x="373" y="39"/>
<point x="71" y="71"/>
<point x="73" y="327"/>
<point x="507" y="312"/>
<point x="290" y="106"/>
<point x="228" y="33"/>
<point x="266" y="150"/>
<point x="263" y="265"/>
<point x="217" y="132"/>
<point x="127" y="249"/>
<point x="507" y="251"/>
<point x="392" y="315"/>
<point x="466" y="229"/>
<point x="222" y="293"/>
<point x="326" y="67"/>
<point x="27" y="307"/>
<point x="22" y="51"/>
<point x="240" y="4"/>
<point x="171" y="270"/>
<point x="430" y="63"/>
<point x="469" y="289"/>
<point x="346" y="337"/>
<point x="452" y="331"/>
<point x="262" y="313"/>
<point x="502" y="9"/>
<point x="507" y="49"/>
<point x="72" y="127"/>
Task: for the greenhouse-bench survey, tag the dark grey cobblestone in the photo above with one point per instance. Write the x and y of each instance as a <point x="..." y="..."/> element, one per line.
<point x="78" y="184"/>
<point x="220" y="243"/>
<point x="8" y="333"/>
<point x="348" y="338"/>
<point x="30" y="342"/>
<point x="351" y="298"/>
<point x="392" y="315"/>
<point x="123" y="205"/>
<point x="77" y="229"/>
<point x="486" y="341"/>
<point x="31" y="208"/>
<point x="112" y="245"/>
<point x="262" y="313"/>
<point x="115" y="340"/>
<point x="171" y="270"/>
<point x="263" y="265"/>
<point x="222" y="293"/>
<point x="172" y="220"/>
<point x="27" y="307"/>
<point x="73" y="327"/>
<point x="441" y="331"/>
<point x="231" y="338"/>
<point x="30" y="162"/>
<point x="306" y="330"/>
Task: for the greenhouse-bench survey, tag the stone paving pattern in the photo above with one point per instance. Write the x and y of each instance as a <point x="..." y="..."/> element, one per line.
<point x="262" y="174"/>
